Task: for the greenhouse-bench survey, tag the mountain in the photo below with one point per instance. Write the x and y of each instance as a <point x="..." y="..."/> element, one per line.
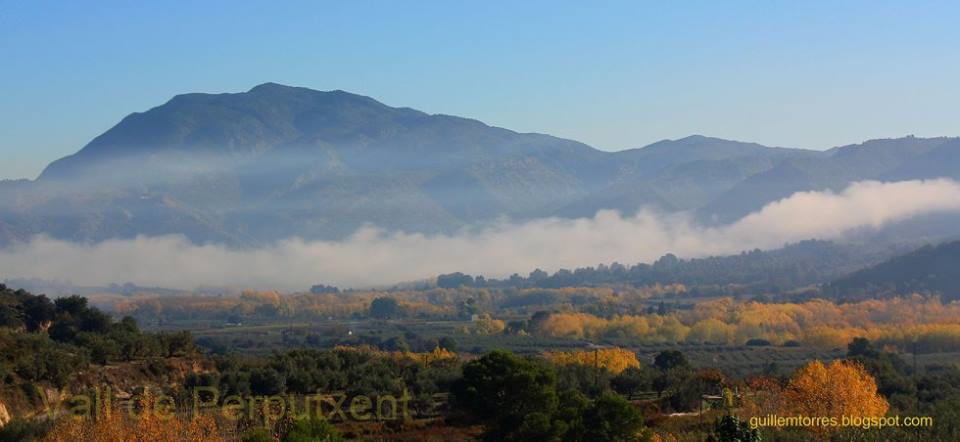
<point x="941" y="161"/>
<point x="278" y="161"/>
<point x="884" y="159"/>
<point x="680" y="174"/>
<point x="928" y="270"/>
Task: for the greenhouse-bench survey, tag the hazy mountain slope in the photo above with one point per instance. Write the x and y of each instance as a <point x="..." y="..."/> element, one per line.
<point x="662" y="154"/>
<point x="277" y="161"/>
<point x="680" y="174"/>
<point x="940" y="162"/>
<point x="874" y="159"/>
<point x="930" y="269"/>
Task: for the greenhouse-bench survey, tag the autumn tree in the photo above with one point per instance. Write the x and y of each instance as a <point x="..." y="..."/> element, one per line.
<point x="615" y="360"/>
<point x="486" y="325"/>
<point x="765" y="396"/>
<point x="843" y="388"/>
<point x="152" y="424"/>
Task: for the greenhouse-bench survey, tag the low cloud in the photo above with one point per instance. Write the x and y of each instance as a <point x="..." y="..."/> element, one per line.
<point x="374" y="257"/>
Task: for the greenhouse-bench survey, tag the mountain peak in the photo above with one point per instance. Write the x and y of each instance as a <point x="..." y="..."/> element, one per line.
<point x="697" y="137"/>
<point x="275" y="88"/>
<point x="270" y="86"/>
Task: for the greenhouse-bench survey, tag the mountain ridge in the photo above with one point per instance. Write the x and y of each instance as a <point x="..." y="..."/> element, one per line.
<point x="929" y="270"/>
<point x="279" y="161"/>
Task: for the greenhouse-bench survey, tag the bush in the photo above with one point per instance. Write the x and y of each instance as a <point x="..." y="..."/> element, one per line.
<point x="757" y="342"/>
<point x="267" y="381"/>
<point x="259" y="435"/>
<point x="24" y="430"/>
<point x="313" y="429"/>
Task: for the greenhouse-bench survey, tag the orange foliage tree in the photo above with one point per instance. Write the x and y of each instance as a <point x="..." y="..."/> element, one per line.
<point x="147" y="426"/>
<point x="843" y="388"/>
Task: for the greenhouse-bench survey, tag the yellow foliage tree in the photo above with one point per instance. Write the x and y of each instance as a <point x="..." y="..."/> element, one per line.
<point x="614" y="360"/>
<point x="438" y="354"/>
<point x="486" y="325"/>
<point x="427" y="358"/>
<point x="842" y="388"/>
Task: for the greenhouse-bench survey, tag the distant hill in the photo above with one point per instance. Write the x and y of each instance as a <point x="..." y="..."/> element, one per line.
<point x="796" y="266"/>
<point x="928" y="270"/>
<point x="278" y="161"/>
<point x="886" y="159"/>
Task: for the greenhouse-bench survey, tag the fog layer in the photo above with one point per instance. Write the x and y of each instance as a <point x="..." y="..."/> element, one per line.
<point x="373" y="257"/>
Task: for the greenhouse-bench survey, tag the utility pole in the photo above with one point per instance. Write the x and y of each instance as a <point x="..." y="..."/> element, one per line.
<point x="916" y="384"/>
<point x="700" y="419"/>
<point x="596" y="370"/>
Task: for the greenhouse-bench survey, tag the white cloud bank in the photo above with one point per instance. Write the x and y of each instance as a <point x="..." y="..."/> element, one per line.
<point x="373" y="257"/>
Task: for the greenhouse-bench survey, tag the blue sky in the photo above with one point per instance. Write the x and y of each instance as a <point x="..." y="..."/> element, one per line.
<point x="612" y="74"/>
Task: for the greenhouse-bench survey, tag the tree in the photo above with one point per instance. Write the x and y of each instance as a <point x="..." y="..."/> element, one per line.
<point x="102" y="349"/>
<point x="51" y="363"/>
<point x="843" y="388"/>
<point x="38" y="311"/>
<point x="267" y="381"/>
<point x="508" y="394"/>
<point x="22" y="429"/>
<point x="10" y="317"/>
<point x="670" y="359"/>
<point x="321" y="288"/>
<point x="128" y="324"/>
<point x="396" y="343"/>
<point x="468" y="308"/>
<point x="177" y="343"/>
<point x="612" y="418"/>
<point x="313" y="429"/>
<point x="673" y="373"/>
<point x="448" y="343"/>
<point x="73" y="305"/>
<point x="631" y="381"/>
<point x="586" y="379"/>
<point x="890" y="371"/>
<point x="384" y="308"/>
<point x="455" y="280"/>
<point x="259" y="435"/>
<point x="94" y="320"/>
<point x="148" y="426"/>
<point x="486" y="325"/>
<point x="732" y="429"/>
<point x="861" y="347"/>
